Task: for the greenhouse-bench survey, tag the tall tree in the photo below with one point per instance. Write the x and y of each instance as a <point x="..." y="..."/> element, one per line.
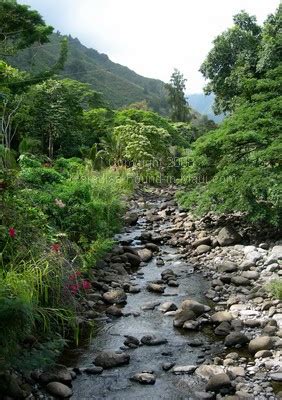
<point x="20" y="27"/>
<point x="233" y="57"/>
<point x="176" y="92"/>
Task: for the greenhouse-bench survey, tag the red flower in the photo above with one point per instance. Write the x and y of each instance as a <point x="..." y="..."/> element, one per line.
<point x="12" y="232"/>
<point x="56" y="247"/>
<point x="73" y="288"/>
<point x="74" y="276"/>
<point x="86" y="284"/>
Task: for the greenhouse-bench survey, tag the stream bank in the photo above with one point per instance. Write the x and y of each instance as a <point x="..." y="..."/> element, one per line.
<point x="181" y="310"/>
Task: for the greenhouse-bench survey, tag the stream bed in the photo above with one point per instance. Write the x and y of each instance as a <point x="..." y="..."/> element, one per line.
<point x="182" y="348"/>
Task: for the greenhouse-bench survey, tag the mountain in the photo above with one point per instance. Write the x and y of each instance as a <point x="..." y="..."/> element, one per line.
<point x="203" y="104"/>
<point x="120" y="85"/>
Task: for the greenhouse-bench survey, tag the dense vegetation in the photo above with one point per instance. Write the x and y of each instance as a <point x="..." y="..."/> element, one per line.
<point x="238" y="166"/>
<point x="68" y="157"/>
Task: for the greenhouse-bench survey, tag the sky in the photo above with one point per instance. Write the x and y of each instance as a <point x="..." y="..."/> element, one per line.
<point x="152" y="37"/>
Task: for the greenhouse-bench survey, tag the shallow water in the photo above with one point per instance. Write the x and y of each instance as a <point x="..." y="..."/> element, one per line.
<point x="114" y="384"/>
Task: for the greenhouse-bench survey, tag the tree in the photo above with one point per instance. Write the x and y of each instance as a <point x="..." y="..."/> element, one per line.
<point x="233" y="58"/>
<point x="238" y="166"/>
<point x="20" y="27"/>
<point x="178" y="103"/>
<point x="53" y="112"/>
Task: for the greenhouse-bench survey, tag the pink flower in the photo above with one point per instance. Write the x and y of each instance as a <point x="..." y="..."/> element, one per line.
<point x="73" y="288"/>
<point x="86" y="284"/>
<point x="59" y="203"/>
<point x="56" y="247"/>
<point x="12" y="232"/>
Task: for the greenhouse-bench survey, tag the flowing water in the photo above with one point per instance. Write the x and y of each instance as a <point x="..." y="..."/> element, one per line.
<point x="183" y="347"/>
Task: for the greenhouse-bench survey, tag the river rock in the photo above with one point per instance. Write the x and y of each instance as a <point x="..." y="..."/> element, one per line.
<point x="145" y="254"/>
<point x="227" y="266"/>
<point x="184" y="369"/>
<point x="144" y="378"/>
<point x="203" y="248"/>
<point x="263" y="354"/>
<point x="167" y="306"/>
<point x="155" y="287"/>
<point x="58" y="389"/>
<point x="240" y="280"/>
<point x="218" y="382"/>
<point x="276" y="376"/>
<point x="228" y="236"/>
<point x="205" y="240"/>
<point x="131" y="341"/>
<point x="260" y="343"/>
<point x="250" y="274"/>
<point x="111" y="359"/>
<point x="206" y="371"/>
<point x="116" y="296"/>
<point x="188" y="310"/>
<point x="150" y="305"/>
<point x="114" y="311"/>
<point x="152" y="246"/>
<point x="221" y="316"/>
<point x="151" y="340"/>
<point x="133" y="259"/>
<point x="58" y="373"/>
<point x="223" y="329"/>
<point x="195" y="306"/>
<point x="235" y="338"/>
<point x="131" y="218"/>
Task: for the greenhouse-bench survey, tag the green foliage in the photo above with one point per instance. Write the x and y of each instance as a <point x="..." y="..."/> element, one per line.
<point x="275" y="288"/>
<point x="176" y="93"/>
<point x="20" y="28"/>
<point x="237" y="167"/>
<point x="143" y="146"/>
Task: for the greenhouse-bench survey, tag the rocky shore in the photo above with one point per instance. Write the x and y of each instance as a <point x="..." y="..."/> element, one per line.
<point x="241" y="358"/>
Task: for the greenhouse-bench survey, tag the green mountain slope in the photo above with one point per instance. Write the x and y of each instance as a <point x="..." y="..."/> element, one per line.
<point x="119" y="85"/>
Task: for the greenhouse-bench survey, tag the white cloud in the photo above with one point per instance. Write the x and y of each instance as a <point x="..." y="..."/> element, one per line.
<point x="150" y="36"/>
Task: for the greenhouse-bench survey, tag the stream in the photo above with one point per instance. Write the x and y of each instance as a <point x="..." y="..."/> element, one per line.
<point x="182" y="348"/>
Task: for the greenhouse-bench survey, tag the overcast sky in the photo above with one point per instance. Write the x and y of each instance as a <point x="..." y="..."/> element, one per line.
<point x="150" y="36"/>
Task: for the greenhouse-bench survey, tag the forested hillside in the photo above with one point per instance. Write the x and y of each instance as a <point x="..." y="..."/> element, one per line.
<point x="120" y="85"/>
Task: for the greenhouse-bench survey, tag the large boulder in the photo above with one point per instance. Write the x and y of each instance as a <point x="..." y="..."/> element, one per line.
<point x="151" y="340"/>
<point x="221" y="316"/>
<point x="228" y="236"/>
<point x="155" y="287"/>
<point x="133" y="259"/>
<point x="260" y="343"/>
<point x="218" y="382"/>
<point x="145" y="254"/>
<point x="116" y="296"/>
<point x="223" y="329"/>
<point x="58" y="389"/>
<point x="111" y="359"/>
<point x="236" y="338"/>
<point x="203" y="248"/>
<point x="188" y="310"/>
